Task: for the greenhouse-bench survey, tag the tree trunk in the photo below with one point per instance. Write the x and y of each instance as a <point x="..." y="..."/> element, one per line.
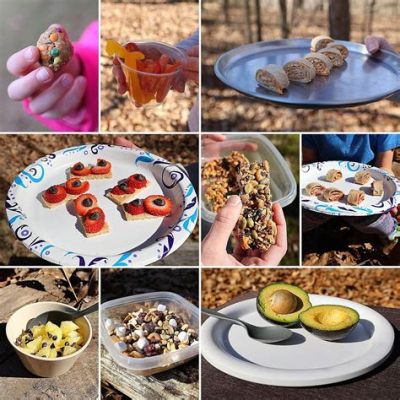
<point x="226" y="11"/>
<point x="258" y="21"/>
<point x="371" y="10"/>
<point x="339" y="19"/>
<point x="248" y="21"/>
<point x="284" y="22"/>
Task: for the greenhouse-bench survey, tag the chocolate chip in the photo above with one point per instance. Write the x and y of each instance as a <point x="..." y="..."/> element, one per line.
<point x="159" y="202"/>
<point x="79" y="166"/>
<point x="95" y="216"/>
<point x="102" y="163"/>
<point x="87" y="202"/>
<point x="123" y="186"/>
<point x="53" y="346"/>
<point x="76" y="183"/>
<point x="44" y="344"/>
<point x="137" y="202"/>
<point x="139" y="177"/>
<point x="54" y="337"/>
<point x="66" y="344"/>
<point x="53" y="190"/>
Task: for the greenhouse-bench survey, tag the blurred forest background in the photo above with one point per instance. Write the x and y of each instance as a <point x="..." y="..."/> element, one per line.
<point x="227" y="24"/>
<point x="166" y="21"/>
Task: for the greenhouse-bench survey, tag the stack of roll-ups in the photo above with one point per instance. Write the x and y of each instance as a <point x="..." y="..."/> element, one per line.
<point x="325" y="54"/>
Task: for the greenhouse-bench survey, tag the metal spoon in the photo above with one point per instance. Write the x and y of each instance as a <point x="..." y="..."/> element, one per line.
<point x="58" y="316"/>
<point x="266" y="334"/>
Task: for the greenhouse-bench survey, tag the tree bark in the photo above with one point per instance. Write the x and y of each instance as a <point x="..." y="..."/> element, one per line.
<point x="258" y="21"/>
<point x="248" y="21"/>
<point x="339" y="19"/>
<point x="284" y="21"/>
<point x="226" y="11"/>
<point x="371" y="10"/>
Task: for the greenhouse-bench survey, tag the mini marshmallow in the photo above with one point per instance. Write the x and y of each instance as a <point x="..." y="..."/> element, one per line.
<point x="183" y="336"/>
<point x="109" y="324"/>
<point x="142" y="343"/>
<point x="121" y="346"/>
<point x="138" y="332"/>
<point x="120" y="331"/>
<point x="161" y="307"/>
<point x="173" y="323"/>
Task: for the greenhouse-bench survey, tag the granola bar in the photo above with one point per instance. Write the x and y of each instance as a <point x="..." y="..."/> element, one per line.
<point x="255" y="228"/>
<point x="219" y="179"/>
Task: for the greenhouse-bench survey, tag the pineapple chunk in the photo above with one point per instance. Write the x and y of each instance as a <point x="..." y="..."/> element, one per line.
<point x="53" y="353"/>
<point x="44" y="352"/>
<point x="38" y="330"/>
<point x="34" y="345"/>
<point x="54" y="331"/>
<point x="68" y="350"/>
<point x="67" y="327"/>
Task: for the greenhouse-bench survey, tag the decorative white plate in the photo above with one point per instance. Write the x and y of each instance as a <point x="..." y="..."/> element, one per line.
<point x="54" y="234"/>
<point x="371" y="205"/>
<point x="304" y="360"/>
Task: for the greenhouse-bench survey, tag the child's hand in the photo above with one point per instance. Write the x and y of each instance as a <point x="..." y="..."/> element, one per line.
<point x="52" y="95"/>
<point x="190" y="70"/>
<point x="375" y="43"/>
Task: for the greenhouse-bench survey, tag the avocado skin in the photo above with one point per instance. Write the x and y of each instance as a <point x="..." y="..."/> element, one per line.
<point x="284" y="324"/>
<point x="282" y="285"/>
<point x="330" y="336"/>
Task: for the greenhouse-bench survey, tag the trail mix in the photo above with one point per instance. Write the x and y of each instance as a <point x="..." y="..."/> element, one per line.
<point x="147" y="333"/>
<point x="255" y="227"/>
<point x="219" y="178"/>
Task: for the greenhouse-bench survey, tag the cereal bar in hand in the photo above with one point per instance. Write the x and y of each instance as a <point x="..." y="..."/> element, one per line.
<point x="255" y="229"/>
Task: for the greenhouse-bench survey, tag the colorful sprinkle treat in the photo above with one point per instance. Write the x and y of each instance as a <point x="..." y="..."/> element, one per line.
<point x="55" y="47"/>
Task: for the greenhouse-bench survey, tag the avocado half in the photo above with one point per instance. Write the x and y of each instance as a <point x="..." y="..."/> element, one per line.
<point x="329" y="322"/>
<point x="281" y="303"/>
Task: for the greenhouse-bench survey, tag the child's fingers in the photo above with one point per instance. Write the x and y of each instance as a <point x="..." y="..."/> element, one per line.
<point x="23" y="61"/>
<point x="193" y="51"/>
<point x="45" y="100"/>
<point x="29" y="84"/>
<point x="71" y="100"/>
<point x="120" y="77"/>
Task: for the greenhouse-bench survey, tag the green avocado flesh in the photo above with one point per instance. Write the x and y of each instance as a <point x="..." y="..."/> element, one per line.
<point x="281" y="303"/>
<point x="329" y="322"/>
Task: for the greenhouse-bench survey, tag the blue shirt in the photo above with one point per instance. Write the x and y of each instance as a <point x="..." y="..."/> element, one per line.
<point x="359" y="148"/>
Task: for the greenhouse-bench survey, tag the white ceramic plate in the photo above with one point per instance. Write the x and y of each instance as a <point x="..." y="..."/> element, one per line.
<point x="54" y="234"/>
<point x="305" y="360"/>
<point x="372" y="204"/>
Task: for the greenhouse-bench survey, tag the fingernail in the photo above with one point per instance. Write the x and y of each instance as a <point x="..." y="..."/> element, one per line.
<point x="66" y="80"/>
<point x="43" y="75"/>
<point x="233" y="201"/>
<point x="29" y="54"/>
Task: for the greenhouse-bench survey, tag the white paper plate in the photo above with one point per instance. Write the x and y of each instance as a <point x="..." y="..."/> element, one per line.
<point x="54" y="234"/>
<point x="371" y="205"/>
<point x="305" y="360"/>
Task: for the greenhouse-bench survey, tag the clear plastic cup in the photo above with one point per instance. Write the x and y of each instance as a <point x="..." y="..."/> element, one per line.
<point x="147" y="89"/>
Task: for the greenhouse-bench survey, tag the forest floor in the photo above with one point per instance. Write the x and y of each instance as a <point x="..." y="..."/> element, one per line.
<point x="225" y="110"/>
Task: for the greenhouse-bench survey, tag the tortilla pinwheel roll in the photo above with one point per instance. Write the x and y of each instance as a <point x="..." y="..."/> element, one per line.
<point x="355" y="197"/>
<point x="344" y="51"/>
<point x="314" y="189"/>
<point x="332" y="194"/>
<point x="377" y="188"/>
<point x="273" y="77"/>
<point x="334" y="55"/>
<point x="333" y="175"/>
<point x="320" y="42"/>
<point x="362" y="177"/>
<point x="322" y="64"/>
<point x="300" y="70"/>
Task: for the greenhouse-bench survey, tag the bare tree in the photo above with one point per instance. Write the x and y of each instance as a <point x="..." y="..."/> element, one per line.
<point x="284" y="19"/>
<point x="248" y="21"/>
<point x="258" y="20"/>
<point x="339" y="19"/>
<point x="371" y="10"/>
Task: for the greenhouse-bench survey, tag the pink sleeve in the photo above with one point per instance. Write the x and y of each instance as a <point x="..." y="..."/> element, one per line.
<point x="86" y="119"/>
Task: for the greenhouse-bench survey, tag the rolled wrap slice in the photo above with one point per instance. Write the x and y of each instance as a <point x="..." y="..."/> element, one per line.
<point x="320" y="42"/>
<point x="272" y="77"/>
<point x="322" y="64"/>
<point x="334" y="55"/>
<point x="355" y="197"/>
<point x="333" y="175"/>
<point x="300" y="70"/>
<point x="362" y="177"/>
<point x="377" y="188"/>
<point x="344" y="51"/>
<point x="333" y="194"/>
<point x="314" y="189"/>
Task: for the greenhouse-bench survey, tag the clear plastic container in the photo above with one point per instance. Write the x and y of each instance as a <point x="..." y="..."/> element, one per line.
<point x="283" y="183"/>
<point x="147" y="89"/>
<point x="118" y="308"/>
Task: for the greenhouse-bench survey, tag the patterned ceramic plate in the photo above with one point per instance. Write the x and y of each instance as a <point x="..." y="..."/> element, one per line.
<point x="54" y="234"/>
<point x="372" y="204"/>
